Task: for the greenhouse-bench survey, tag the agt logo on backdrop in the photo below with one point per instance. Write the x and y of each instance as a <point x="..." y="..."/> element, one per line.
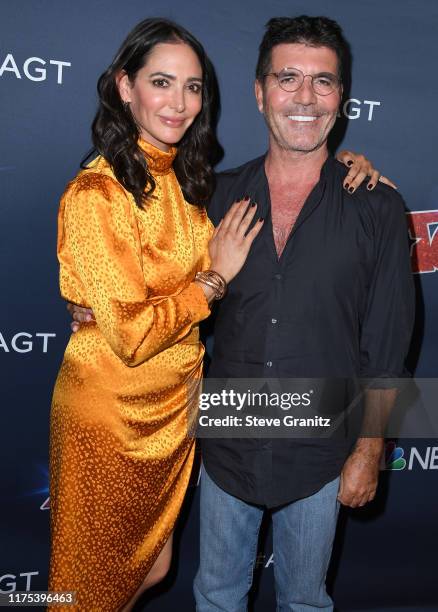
<point x="264" y="561"/>
<point x="423" y="235"/>
<point x="396" y="460"/>
<point x="23" y="342"/>
<point x="33" y="68"/>
<point x="40" y="487"/>
<point x="9" y="583"/>
<point x="354" y="108"/>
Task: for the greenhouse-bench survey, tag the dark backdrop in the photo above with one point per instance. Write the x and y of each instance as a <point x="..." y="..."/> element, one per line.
<point x="51" y="54"/>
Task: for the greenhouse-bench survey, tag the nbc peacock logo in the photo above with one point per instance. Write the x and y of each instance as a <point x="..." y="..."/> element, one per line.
<point x="394" y="457"/>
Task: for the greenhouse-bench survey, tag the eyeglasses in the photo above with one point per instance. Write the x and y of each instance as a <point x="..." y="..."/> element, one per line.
<point x="291" y="79"/>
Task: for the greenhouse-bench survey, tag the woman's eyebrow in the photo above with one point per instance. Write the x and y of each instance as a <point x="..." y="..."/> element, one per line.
<point x="168" y="76"/>
<point x="173" y="77"/>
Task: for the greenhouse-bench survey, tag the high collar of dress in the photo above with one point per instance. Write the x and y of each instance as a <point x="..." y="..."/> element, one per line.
<point x="159" y="162"/>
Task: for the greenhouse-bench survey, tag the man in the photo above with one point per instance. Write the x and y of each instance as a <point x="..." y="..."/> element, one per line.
<point x="326" y="291"/>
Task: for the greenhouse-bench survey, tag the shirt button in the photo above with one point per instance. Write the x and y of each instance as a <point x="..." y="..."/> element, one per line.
<point x="273" y="321"/>
<point x="277" y="276"/>
<point x="269" y="364"/>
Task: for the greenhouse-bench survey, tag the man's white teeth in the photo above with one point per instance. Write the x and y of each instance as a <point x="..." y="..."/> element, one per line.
<point x="302" y="118"/>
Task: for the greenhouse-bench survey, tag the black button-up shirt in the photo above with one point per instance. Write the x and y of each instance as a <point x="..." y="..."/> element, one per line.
<point x="339" y="302"/>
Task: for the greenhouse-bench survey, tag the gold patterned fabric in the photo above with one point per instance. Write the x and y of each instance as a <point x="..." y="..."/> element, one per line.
<point x="120" y="457"/>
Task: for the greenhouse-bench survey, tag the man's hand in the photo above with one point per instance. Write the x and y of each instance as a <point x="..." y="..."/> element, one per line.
<point x="360" y="169"/>
<point x="79" y="315"/>
<point x="359" y="477"/>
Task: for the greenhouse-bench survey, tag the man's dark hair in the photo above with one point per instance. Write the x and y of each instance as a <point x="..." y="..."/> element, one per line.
<point x="312" y="31"/>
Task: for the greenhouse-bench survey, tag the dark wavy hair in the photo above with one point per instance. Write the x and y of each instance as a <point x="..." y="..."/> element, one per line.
<point x="115" y="132"/>
<point x="312" y="31"/>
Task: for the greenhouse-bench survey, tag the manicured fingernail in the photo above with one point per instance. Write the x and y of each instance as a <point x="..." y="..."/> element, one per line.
<point x="351" y="189"/>
<point x="261" y="219"/>
<point x="346" y="185"/>
<point x="88" y="317"/>
<point x="350" y="162"/>
<point x="370" y="186"/>
<point x="253" y="204"/>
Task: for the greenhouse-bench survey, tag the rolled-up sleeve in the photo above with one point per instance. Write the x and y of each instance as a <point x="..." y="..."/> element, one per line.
<point x="387" y="325"/>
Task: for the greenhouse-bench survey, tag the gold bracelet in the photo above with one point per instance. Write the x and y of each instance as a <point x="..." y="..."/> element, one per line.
<point x="214" y="280"/>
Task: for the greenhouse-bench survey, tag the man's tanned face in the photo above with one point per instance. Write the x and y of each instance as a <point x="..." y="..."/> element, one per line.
<point x="300" y="120"/>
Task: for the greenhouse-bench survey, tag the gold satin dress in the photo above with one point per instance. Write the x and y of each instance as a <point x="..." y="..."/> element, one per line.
<point x="120" y="455"/>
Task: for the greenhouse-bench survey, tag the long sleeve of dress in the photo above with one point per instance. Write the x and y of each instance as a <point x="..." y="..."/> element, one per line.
<point x="98" y="243"/>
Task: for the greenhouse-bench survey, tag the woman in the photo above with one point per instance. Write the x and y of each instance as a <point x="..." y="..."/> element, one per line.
<point x="130" y="246"/>
<point x="134" y="240"/>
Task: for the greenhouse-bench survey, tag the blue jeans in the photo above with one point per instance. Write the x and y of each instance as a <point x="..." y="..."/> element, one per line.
<point x="303" y="534"/>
